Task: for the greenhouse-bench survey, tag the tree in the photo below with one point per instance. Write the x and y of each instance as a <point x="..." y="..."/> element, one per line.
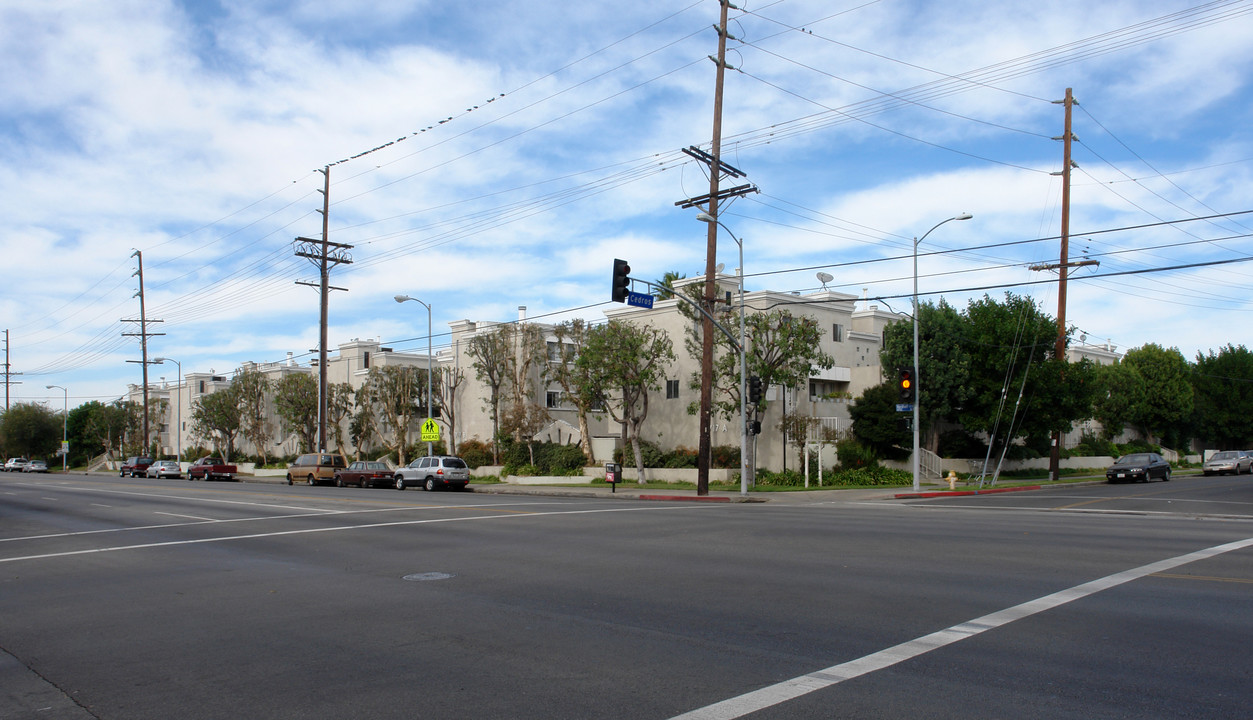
<point x="1119" y="391"/>
<point x="392" y="392"/>
<point x="296" y="403"/>
<point x="576" y="380"/>
<point x="339" y="404"/>
<point x="30" y="430"/>
<point x="877" y="424"/>
<point x="627" y="362"/>
<point x="1168" y="396"/>
<point x="943" y="374"/>
<point x="490" y="352"/>
<point x="665" y="289"/>
<point x="251" y="387"/>
<point x="450" y="380"/>
<point x="102" y="425"/>
<point x="216" y="418"/>
<point x="1223" y="397"/>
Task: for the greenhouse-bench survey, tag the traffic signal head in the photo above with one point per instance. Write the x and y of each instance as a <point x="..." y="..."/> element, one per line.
<point x="621" y="281"/>
<point x="905" y="384"/>
<point x="754" y="390"/>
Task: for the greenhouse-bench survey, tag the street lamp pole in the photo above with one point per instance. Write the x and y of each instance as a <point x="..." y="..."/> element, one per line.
<point x="914" y="460"/>
<point x="430" y="379"/>
<point x="178" y="411"/>
<point x="744" y="471"/>
<point x="65" y="418"/>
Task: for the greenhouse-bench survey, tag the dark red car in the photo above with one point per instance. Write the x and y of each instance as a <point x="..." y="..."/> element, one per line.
<point x="135" y="466"/>
<point x="364" y="473"/>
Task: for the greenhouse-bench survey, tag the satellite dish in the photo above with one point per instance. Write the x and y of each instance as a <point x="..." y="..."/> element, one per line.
<point x="825" y="278"/>
<point x="718" y="270"/>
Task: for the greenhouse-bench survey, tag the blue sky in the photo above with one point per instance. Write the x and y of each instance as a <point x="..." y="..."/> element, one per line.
<point x="533" y="142"/>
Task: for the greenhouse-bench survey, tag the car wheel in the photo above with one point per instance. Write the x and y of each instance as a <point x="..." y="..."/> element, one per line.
<point x="339" y="482"/>
<point x="312" y="480"/>
<point x="1166" y="477"/>
<point x="288" y="478"/>
<point x="430" y="484"/>
<point x="400" y="482"/>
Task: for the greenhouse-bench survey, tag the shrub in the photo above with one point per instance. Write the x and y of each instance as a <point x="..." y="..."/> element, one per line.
<point x="476" y="453"/>
<point x="872" y="476"/>
<point x="961" y="444"/>
<point x="724" y="456"/>
<point x="1091" y="444"/>
<point x="653" y="456"/>
<point x="681" y="457"/>
<point x="853" y="454"/>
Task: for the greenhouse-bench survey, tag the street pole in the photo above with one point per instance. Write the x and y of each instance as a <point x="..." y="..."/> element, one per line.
<point x="178" y="412"/>
<point x="915" y="459"/>
<point x="65" y="417"/>
<point x="430" y="386"/>
<point x="706" y="217"/>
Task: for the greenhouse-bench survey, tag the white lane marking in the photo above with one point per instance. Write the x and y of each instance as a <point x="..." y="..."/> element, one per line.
<point x="202" y="522"/>
<point x="796" y="687"/>
<point x="101" y="505"/>
<point x="190" y="517"/>
<point x="335" y="528"/>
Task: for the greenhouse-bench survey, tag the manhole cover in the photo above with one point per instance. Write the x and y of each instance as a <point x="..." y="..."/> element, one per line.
<point x="423" y="577"/>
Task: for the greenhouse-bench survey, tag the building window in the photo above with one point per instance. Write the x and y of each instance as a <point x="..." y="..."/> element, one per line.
<point x="837" y="333"/>
<point x="554" y="400"/>
<point x="672" y="389"/>
<point x="202" y="387"/>
<point x="365" y="359"/>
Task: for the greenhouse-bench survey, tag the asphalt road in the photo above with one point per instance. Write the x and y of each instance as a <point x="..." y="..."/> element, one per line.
<point x="127" y="599"/>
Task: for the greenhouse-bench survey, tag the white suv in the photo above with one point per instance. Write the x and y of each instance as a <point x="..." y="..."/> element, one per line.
<point x="17" y="464"/>
<point x="434" y="471"/>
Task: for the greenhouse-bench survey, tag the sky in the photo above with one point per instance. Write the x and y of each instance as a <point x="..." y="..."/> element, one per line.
<point x="489" y="155"/>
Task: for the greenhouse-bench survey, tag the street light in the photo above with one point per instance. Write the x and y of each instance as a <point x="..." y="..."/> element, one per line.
<point x="430" y="330"/>
<point x="65" y="417"/>
<point x="178" y="410"/>
<point x="917" y="388"/>
<point x="706" y="217"/>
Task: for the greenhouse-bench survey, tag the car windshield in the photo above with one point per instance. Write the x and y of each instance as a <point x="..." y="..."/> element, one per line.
<point x="1228" y="455"/>
<point x="1138" y="459"/>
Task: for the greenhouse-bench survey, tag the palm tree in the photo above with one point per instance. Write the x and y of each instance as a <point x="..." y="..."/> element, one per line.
<point x="666" y="284"/>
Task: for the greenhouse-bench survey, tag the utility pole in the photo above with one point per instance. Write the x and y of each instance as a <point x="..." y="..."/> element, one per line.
<point x="324" y="255"/>
<point x="1059" y="348"/>
<point x="716" y="169"/>
<point x="143" y="339"/>
<point x="8" y="376"/>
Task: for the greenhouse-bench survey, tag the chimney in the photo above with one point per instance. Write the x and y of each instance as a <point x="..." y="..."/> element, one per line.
<point x="522" y="313"/>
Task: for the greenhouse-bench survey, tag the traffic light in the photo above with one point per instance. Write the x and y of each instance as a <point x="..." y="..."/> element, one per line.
<point x="905" y="384"/>
<point x="754" y="389"/>
<point x="621" y="283"/>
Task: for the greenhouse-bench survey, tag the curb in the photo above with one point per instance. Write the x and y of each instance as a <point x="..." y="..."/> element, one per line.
<point x="959" y="493"/>
<point x="688" y="498"/>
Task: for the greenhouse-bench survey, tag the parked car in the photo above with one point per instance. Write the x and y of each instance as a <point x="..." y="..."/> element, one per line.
<point x="364" y="473"/>
<point x="211" y="468"/>
<point x="135" y="466"/>
<point x="315" y="468"/>
<point x="1138" y="467"/>
<point x="36" y="466"/>
<point x="16" y="464"/>
<point x="164" y="469"/>
<point x="434" y="471"/>
<point x="1228" y="461"/>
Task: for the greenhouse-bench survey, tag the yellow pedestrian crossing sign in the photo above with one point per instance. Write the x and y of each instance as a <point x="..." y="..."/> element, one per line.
<point x="430" y="431"/>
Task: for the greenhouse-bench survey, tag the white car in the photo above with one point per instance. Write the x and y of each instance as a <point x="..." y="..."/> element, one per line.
<point x="17" y="464"/>
<point x="437" y="471"/>
<point x="36" y="466"/>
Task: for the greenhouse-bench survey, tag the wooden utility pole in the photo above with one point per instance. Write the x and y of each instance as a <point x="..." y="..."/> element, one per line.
<point x="324" y="255"/>
<point x="143" y="342"/>
<point x="711" y="259"/>
<point x="1059" y="348"/>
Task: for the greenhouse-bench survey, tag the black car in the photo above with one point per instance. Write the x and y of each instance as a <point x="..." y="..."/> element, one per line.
<point x="1138" y="467"/>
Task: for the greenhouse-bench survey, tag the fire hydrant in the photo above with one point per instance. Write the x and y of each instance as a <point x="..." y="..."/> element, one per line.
<point x="952" y="480"/>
